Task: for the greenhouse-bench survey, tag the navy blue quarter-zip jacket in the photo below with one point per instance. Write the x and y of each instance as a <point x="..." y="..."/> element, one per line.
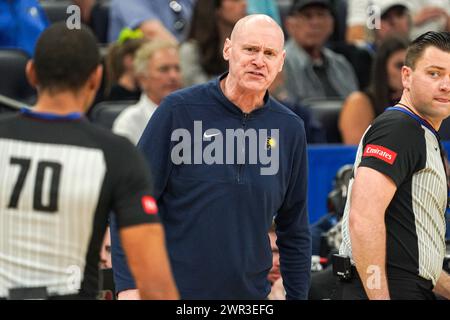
<point x="217" y="216"/>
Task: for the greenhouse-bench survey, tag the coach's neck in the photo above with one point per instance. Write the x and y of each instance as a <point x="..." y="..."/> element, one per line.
<point x="244" y="99"/>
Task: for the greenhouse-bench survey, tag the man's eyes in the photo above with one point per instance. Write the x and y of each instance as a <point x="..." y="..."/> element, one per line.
<point x="254" y="50"/>
<point x="434" y="74"/>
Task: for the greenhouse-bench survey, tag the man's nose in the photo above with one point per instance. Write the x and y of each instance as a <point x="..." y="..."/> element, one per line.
<point x="174" y="73"/>
<point x="259" y="59"/>
<point x="445" y="84"/>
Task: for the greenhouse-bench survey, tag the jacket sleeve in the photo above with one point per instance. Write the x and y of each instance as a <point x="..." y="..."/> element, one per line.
<point x="155" y="146"/>
<point x="293" y="233"/>
<point x="123" y="280"/>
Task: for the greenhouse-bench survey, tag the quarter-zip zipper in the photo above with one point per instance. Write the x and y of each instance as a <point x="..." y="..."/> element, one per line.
<point x="241" y="166"/>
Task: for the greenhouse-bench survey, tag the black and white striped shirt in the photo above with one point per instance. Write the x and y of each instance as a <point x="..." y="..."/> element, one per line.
<point x="408" y="152"/>
<point x="59" y="179"/>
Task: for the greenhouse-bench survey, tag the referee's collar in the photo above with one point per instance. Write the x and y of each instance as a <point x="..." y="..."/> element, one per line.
<point x="51" y="116"/>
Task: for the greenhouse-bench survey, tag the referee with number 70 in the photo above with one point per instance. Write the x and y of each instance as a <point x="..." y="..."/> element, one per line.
<point x="60" y="176"/>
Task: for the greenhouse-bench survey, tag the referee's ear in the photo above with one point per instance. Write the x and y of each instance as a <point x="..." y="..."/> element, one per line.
<point x="95" y="79"/>
<point x="30" y="72"/>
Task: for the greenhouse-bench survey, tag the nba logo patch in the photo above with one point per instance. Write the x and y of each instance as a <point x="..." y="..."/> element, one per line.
<point x="149" y="205"/>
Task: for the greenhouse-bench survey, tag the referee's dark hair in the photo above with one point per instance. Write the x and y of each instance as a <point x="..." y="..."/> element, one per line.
<point x="440" y="40"/>
<point x="64" y="58"/>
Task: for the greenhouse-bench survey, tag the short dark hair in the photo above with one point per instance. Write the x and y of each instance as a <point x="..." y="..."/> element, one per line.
<point x="64" y="58"/>
<point x="440" y="40"/>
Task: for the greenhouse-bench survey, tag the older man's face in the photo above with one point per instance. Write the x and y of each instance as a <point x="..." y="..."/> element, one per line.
<point x="163" y="75"/>
<point x="255" y="55"/>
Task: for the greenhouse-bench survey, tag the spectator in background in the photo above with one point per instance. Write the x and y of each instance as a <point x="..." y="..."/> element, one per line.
<point x="313" y="71"/>
<point x="385" y="90"/>
<point x="394" y="19"/>
<point x="21" y="23"/>
<point x="212" y="22"/>
<point x="430" y="15"/>
<point x="156" y="18"/>
<point x="121" y="82"/>
<point x="157" y="68"/>
<point x="95" y="16"/>
<point x="412" y="17"/>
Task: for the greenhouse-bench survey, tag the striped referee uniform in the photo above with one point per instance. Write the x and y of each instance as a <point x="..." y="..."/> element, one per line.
<point x="59" y="178"/>
<point x="407" y="149"/>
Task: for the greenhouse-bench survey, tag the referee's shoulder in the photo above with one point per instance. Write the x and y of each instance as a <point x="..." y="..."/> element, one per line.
<point x="398" y="123"/>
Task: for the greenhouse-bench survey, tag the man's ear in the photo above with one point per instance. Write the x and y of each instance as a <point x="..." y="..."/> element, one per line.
<point x="406" y="77"/>
<point x="226" y="49"/>
<point x="282" y="61"/>
<point x="95" y="80"/>
<point x="30" y="72"/>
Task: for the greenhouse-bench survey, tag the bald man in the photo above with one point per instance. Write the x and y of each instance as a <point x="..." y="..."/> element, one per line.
<point x="226" y="159"/>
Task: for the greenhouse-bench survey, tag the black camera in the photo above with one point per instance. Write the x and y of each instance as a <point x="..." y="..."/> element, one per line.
<point x="342" y="267"/>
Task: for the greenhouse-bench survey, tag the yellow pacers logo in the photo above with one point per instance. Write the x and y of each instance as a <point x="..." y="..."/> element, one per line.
<point x="271" y="143"/>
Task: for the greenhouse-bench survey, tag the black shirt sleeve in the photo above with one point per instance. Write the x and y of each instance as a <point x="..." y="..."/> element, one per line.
<point x="395" y="146"/>
<point x="132" y="198"/>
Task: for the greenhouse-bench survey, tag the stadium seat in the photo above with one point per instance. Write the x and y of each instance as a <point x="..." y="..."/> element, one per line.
<point x="326" y="111"/>
<point x="104" y="113"/>
<point x="13" y="81"/>
<point x="56" y="10"/>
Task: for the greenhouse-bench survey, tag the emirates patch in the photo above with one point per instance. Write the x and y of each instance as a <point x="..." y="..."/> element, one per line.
<point x="382" y="153"/>
<point x="149" y="205"/>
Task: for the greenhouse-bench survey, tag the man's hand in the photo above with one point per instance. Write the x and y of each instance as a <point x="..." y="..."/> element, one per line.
<point x="147" y="257"/>
<point x="132" y="294"/>
<point x="442" y="287"/>
<point x="277" y="292"/>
